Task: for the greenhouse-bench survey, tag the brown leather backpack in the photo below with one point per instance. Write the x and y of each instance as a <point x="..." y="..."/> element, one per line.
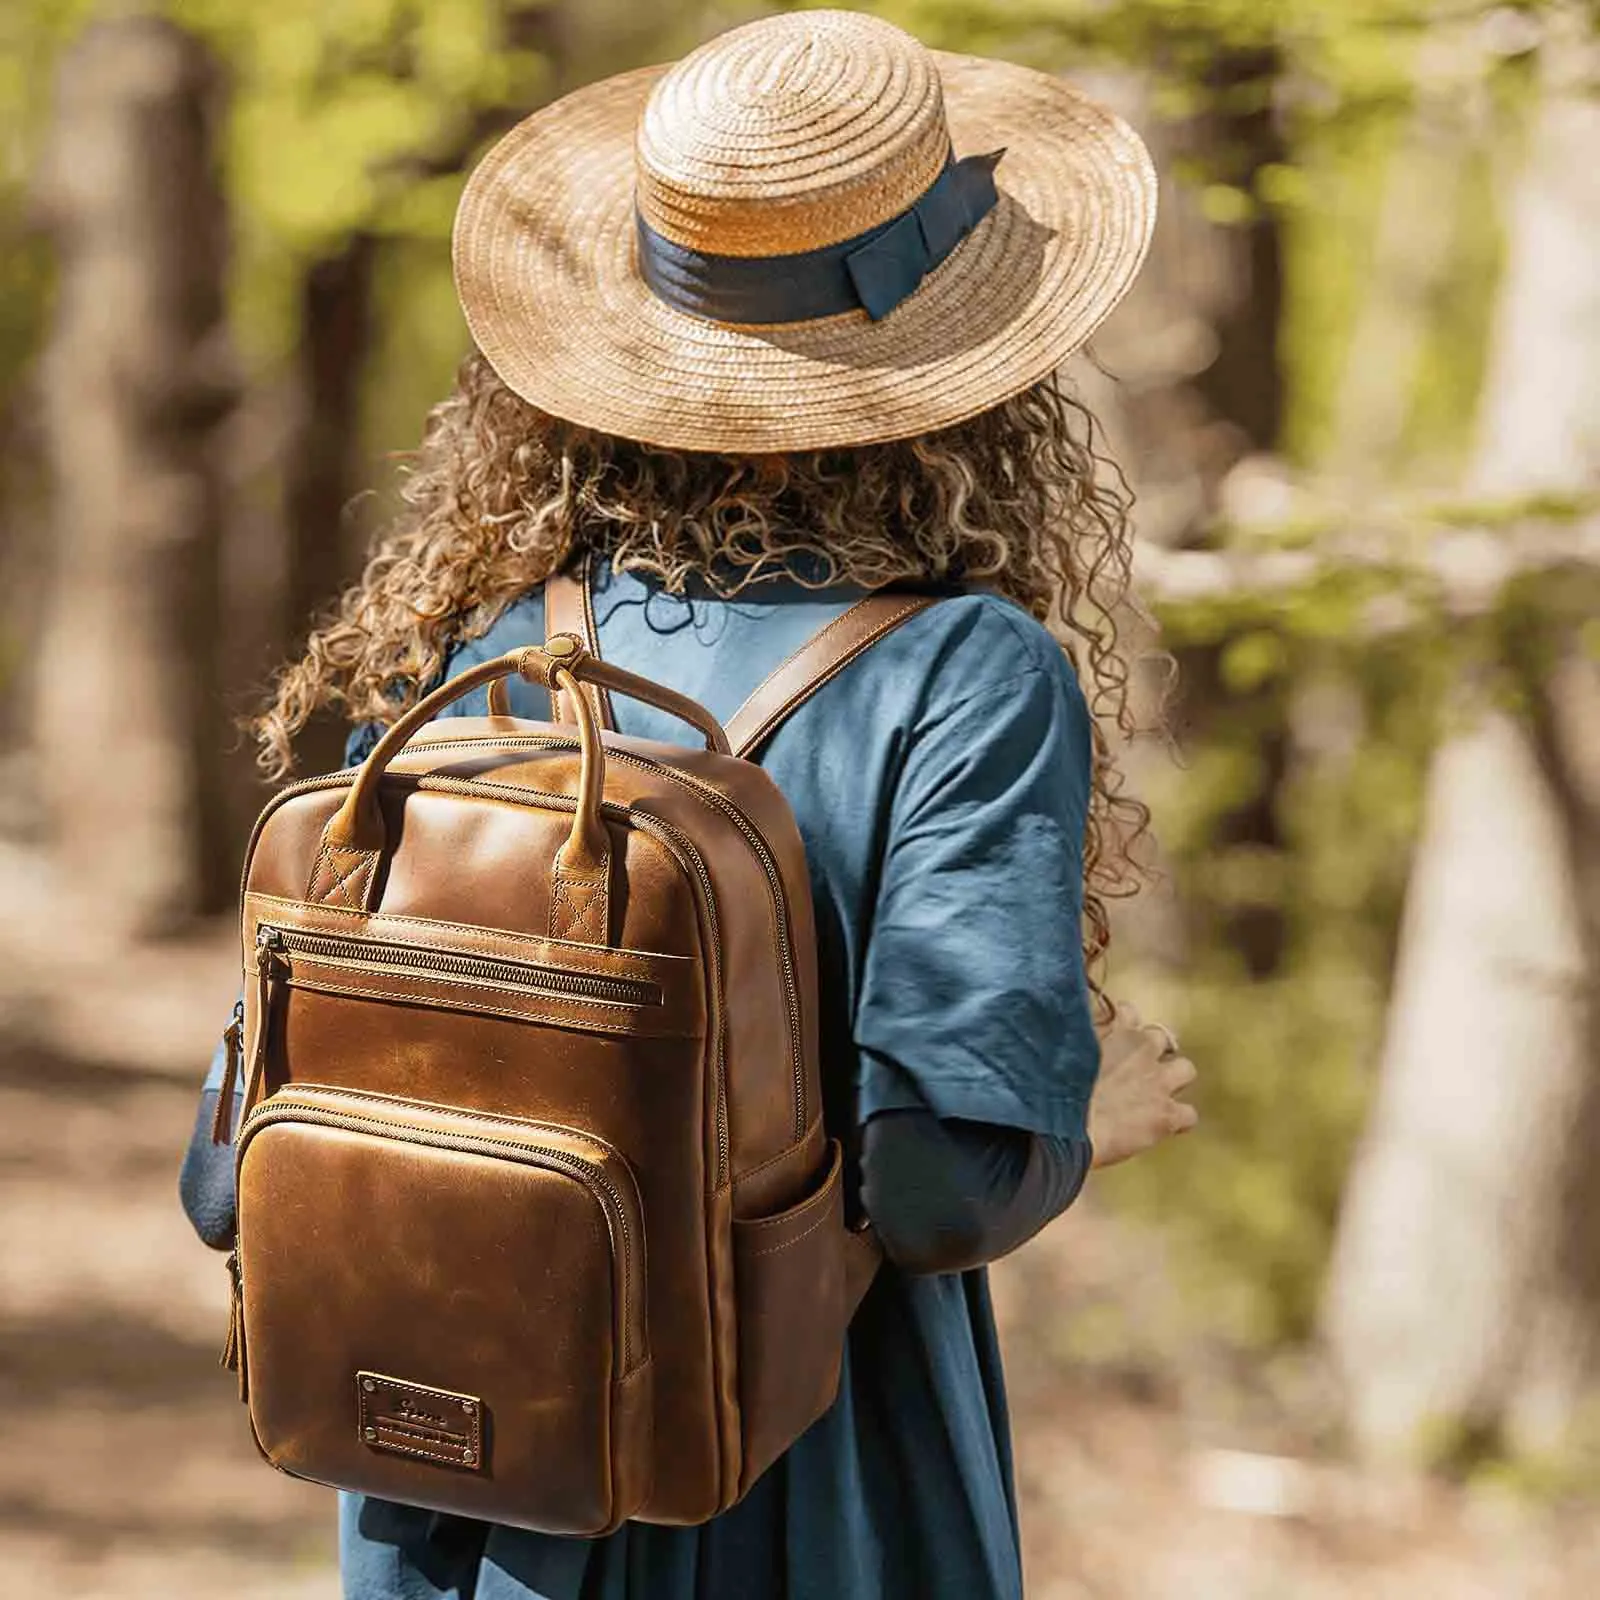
<point x="537" y="1219"/>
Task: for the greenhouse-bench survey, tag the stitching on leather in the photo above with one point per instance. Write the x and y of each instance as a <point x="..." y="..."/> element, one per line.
<point x="638" y="960"/>
<point x="796" y="1212"/>
<point x="316" y="871"/>
<point x="577" y="906"/>
<point x="582" y="904"/>
<point x="788" y="1244"/>
<point x="345" y="884"/>
<point x="485" y="983"/>
<point x="793" y="656"/>
<point x="591" y="631"/>
<point x="591" y="639"/>
<point x="369" y="1417"/>
<point x="832" y="671"/>
<point x="815" y="639"/>
<point x="623" y="1024"/>
<point x="424" y="1455"/>
<point x="357" y="882"/>
<point x="838" y="622"/>
<point x="460" y="1115"/>
<point x="782" y="1155"/>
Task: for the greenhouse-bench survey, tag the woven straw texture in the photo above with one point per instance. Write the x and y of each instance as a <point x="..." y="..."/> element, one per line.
<point x="781" y="136"/>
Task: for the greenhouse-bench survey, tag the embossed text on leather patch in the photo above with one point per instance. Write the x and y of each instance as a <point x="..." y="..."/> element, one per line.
<point x="413" y="1419"/>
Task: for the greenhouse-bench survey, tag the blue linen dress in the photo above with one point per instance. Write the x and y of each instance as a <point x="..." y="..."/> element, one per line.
<point x="941" y="786"/>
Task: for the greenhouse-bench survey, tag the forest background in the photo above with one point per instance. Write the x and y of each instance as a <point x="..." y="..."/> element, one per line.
<point x="1344" y="1342"/>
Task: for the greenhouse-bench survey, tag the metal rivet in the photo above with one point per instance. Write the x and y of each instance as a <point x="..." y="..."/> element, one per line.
<point x="466" y="1455"/>
<point x="368" y="1385"/>
<point x="467" y="1405"/>
<point x="370" y="1433"/>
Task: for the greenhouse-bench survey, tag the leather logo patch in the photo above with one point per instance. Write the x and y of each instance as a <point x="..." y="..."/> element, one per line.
<point x="413" y="1419"/>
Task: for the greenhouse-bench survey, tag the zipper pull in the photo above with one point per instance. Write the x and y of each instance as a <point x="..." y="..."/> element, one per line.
<point x="233" y="1347"/>
<point x="269" y="944"/>
<point x="233" y="1042"/>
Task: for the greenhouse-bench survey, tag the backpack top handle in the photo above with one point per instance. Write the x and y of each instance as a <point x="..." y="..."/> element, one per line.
<point x="355" y="837"/>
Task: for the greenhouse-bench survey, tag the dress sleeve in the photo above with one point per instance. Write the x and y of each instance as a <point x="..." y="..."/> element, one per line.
<point x="974" y="1001"/>
<point x="205" y="1182"/>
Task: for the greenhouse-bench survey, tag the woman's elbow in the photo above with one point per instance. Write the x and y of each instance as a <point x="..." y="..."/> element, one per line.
<point x="923" y="1240"/>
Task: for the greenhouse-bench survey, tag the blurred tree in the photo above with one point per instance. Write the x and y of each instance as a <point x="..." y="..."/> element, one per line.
<point x="352" y="123"/>
<point x="137" y="378"/>
<point x="1465" y="1296"/>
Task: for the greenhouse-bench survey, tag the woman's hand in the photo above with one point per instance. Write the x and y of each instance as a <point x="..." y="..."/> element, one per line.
<point x="1135" y="1102"/>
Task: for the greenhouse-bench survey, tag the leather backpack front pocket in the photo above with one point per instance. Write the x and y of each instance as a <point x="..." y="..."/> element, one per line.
<point x="445" y="1308"/>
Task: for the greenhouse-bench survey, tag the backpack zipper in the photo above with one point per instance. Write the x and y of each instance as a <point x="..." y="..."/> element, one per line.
<point x="286" y="1107"/>
<point x="758" y="846"/>
<point x="382" y="955"/>
<point x="232" y="1356"/>
<point x="680" y="845"/>
<point x="232" y="1050"/>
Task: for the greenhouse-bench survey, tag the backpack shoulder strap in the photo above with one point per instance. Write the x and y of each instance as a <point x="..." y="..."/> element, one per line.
<point x="569" y="608"/>
<point x="818" y="661"/>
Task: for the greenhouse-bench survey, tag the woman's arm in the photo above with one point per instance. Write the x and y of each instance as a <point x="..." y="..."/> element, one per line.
<point x="947" y="1195"/>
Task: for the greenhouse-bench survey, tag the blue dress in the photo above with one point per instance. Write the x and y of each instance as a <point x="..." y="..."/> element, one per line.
<point x="941" y="786"/>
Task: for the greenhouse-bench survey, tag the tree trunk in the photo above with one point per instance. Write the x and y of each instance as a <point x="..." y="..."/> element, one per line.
<point x="324" y="469"/>
<point x="1558" y="1356"/>
<point x="128" y="729"/>
<point x="1244" y="384"/>
<point x="1463" y="1297"/>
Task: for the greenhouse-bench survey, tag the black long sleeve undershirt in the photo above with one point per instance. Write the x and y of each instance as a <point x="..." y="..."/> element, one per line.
<point x="947" y="1195"/>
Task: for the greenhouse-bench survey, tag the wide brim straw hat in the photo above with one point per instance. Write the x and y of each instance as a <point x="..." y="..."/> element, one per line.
<point x="751" y="250"/>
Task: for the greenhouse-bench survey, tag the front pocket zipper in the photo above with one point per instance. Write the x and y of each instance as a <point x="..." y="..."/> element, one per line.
<point x="276" y="947"/>
<point x="681" y="848"/>
<point x="758" y="846"/>
<point x="301" y="1104"/>
<point x="529" y="976"/>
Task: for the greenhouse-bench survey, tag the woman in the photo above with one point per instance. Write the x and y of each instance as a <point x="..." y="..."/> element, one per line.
<point x="753" y="342"/>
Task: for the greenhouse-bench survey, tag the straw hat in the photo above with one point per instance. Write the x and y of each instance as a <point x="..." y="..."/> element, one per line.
<point x="798" y="237"/>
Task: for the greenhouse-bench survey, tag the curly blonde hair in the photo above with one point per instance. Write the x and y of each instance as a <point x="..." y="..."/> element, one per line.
<point x="500" y="495"/>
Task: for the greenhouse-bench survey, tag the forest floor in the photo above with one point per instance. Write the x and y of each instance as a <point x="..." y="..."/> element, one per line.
<point x="127" y="1472"/>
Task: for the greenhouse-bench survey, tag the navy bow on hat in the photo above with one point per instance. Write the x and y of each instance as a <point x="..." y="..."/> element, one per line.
<point x="875" y="270"/>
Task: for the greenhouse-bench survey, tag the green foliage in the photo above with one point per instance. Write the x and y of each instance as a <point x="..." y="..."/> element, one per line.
<point x="341" y="106"/>
<point x="29" y="40"/>
<point x="1327" y="249"/>
<point x="352" y="116"/>
<point x="1286" y="1055"/>
<point x="345" y="116"/>
<point x="1356" y="52"/>
<point x="1456" y="324"/>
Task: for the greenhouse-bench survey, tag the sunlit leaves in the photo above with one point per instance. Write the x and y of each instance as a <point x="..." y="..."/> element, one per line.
<point x="342" y="107"/>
